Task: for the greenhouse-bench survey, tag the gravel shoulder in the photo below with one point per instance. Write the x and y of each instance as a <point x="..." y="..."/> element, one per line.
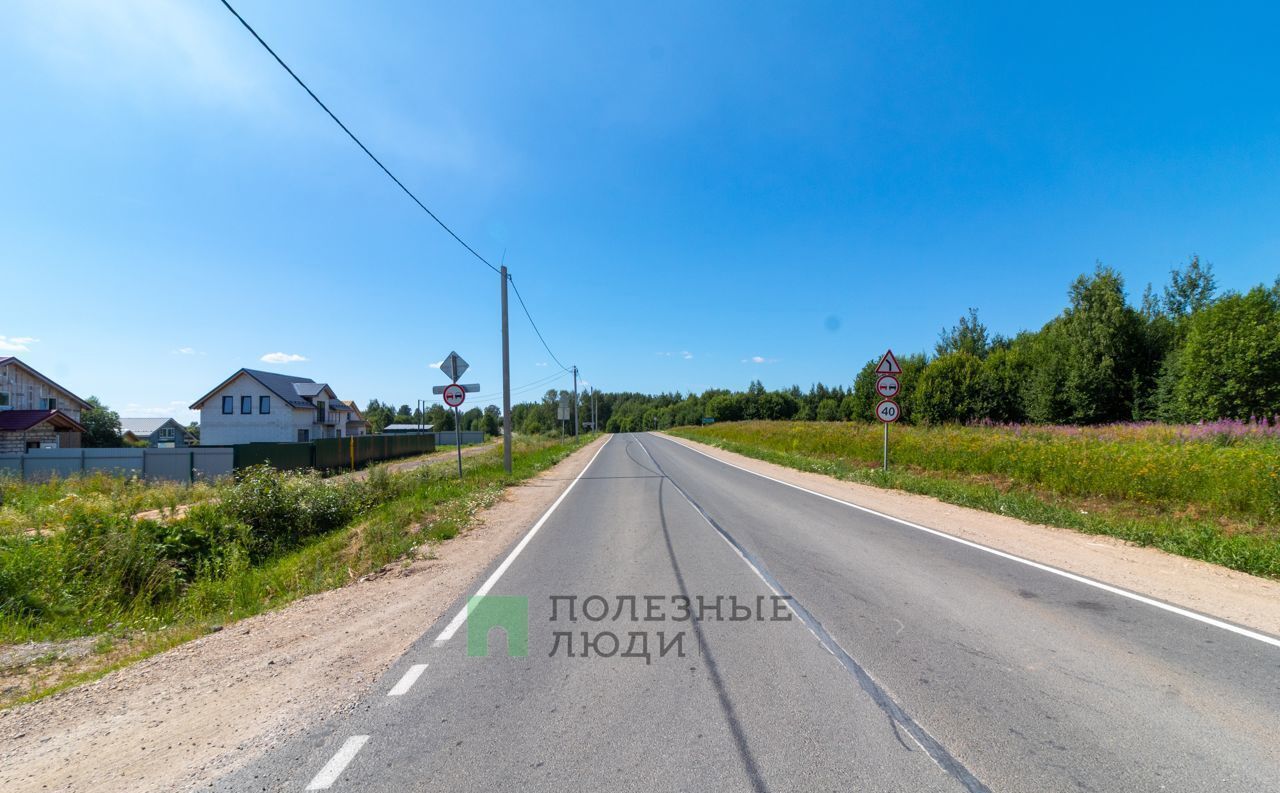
<point x="1240" y="598"/>
<point x="182" y="718"/>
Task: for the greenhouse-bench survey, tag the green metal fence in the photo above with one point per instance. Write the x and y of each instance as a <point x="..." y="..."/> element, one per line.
<point x="334" y="453"/>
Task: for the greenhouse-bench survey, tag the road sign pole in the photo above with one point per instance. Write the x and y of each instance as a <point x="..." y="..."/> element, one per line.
<point x="886" y="447"/>
<point x="506" y="379"/>
<point x="457" y="436"/>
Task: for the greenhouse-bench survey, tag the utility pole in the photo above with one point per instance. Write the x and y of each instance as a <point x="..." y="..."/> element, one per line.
<point x="594" y="426"/>
<point x="506" y="378"/>
<point x="575" y="403"/>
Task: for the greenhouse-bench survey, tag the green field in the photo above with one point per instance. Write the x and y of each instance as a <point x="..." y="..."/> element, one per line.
<point x="76" y="560"/>
<point x="1209" y="492"/>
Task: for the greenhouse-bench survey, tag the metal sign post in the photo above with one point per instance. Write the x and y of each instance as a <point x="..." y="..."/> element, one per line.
<point x="887" y="386"/>
<point x="454" y="395"/>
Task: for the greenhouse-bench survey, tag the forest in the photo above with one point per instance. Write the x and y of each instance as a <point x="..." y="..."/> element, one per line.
<point x="1184" y="353"/>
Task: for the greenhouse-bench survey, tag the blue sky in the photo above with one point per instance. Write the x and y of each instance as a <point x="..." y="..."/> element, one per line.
<point x="689" y="195"/>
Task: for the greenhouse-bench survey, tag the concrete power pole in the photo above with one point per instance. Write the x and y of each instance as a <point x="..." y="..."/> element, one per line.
<point x="506" y="378"/>
<point x="575" y="403"/>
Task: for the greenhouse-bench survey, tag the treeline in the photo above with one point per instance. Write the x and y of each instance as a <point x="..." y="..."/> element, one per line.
<point x="1186" y="353"/>
<point x="380" y="414"/>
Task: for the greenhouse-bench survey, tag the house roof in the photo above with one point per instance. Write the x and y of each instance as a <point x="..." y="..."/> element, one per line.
<point x="145" y="425"/>
<point x="282" y="385"/>
<point x="308" y="388"/>
<point x="23" y="420"/>
<point x="8" y="359"/>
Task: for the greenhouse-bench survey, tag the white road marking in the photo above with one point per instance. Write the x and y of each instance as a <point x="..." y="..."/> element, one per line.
<point x="338" y="763"/>
<point x="408" y="680"/>
<point x="456" y="622"/>
<point x="1124" y="593"/>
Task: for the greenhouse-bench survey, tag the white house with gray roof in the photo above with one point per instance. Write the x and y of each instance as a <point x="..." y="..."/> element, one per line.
<point x="254" y="406"/>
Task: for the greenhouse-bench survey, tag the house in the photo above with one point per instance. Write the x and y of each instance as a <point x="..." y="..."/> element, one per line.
<point x="158" y="433"/>
<point x="253" y="406"/>
<point x="35" y="412"/>
<point x="357" y="424"/>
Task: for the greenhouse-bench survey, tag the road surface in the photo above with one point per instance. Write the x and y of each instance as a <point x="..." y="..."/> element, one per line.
<point x="877" y="656"/>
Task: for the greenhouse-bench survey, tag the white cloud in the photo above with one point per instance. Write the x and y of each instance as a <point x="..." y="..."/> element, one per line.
<point x="436" y="365"/>
<point x="16" y="343"/>
<point x="156" y="51"/>
<point x="176" y="409"/>
<point x="540" y="363"/>
<point x="187" y="351"/>
<point x="282" y="357"/>
<point x="759" y="359"/>
<point x="685" y="354"/>
<point x="688" y="356"/>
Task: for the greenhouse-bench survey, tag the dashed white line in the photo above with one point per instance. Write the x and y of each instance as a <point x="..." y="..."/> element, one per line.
<point x="1124" y="593"/>
<point x="456" y="622"/>
<point x="408" y="680"/>
<point x="338" y="763"/>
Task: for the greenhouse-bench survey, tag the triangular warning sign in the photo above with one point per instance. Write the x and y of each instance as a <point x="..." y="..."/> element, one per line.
<point x="888" y="364"/>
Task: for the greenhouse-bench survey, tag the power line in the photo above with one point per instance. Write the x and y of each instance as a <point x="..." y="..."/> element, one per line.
<point x="393" y="178"/>
<point x="351" y="135"/>
<point x="516" y="289"/>
<point x="545" y="381"/>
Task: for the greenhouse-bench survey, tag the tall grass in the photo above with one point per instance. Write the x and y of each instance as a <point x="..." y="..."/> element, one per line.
<point x="1207" y="495"/>
<point x="247" y="545"/>
<point x="1226" y="475"/>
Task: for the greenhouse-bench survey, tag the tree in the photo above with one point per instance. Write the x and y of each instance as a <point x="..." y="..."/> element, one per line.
<point x="969" y="335"/>
<point x="1005" y="371"/>
<point x="1229" y="366"/>
<point x="1088" y="364"/>
<point x="1190" y="289"/>
<point x="492" y="420"/>
<point x="952" y="388"/>
<point x="828" y="410"/>
<point x="101" y="426"/>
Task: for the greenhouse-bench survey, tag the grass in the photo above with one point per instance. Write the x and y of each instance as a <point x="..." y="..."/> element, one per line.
<point x="1204" y="497"/>
<point x="143" y="586"/>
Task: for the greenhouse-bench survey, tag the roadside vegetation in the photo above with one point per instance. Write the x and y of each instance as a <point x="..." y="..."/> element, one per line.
<point x="77" y="560"/>
<point x="1208" y="491"/>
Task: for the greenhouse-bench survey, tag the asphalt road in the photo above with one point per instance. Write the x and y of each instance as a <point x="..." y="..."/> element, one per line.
<point x="909" y="662"/>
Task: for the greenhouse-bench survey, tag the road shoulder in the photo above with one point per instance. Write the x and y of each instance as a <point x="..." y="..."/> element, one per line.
<point x="205" y="708"/>
<point x="1248" y="601"/>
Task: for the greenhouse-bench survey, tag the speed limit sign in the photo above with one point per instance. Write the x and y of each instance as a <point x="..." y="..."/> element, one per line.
<point x="887" y="411"/>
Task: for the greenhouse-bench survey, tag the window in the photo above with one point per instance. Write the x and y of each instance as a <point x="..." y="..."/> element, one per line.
<point x="49" y="403"/>
<point x="304" y="436"/>
<point x="228" y="405"/>
<point x="264" y="404"/>
<point x="166" y="433"/>
<point x="246" y="404"/>
<point x="4" y="399"/>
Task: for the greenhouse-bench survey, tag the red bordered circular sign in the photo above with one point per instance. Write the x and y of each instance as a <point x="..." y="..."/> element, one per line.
<point x="888" y="411"/>
<point x="454" y="395"/>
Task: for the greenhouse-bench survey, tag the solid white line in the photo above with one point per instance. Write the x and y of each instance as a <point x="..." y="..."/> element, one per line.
<point x="1226" y="626"/>
<point x="338" y="763"/>
<point x="408" y="680"/>
<point x="456" y="622"/>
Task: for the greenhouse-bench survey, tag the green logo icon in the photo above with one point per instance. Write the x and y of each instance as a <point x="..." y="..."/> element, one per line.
<point x="511" y="614"/>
